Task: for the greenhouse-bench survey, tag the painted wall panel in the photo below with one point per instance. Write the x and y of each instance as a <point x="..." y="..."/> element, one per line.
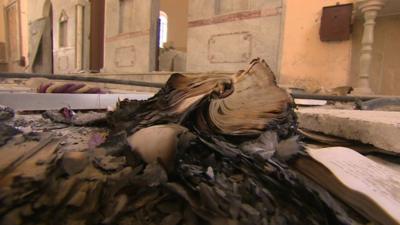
<point x="225" y="35"/>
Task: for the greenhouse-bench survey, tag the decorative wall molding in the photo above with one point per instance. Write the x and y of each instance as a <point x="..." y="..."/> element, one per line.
<point x="237" y="16"/>
<point x="230" y="47"/>
<point x="125" y="56"/>
<point x="130" y="35"/>
<point x="63" y="63"/>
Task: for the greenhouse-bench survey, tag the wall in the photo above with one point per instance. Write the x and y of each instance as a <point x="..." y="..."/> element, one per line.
<point x="225" y="35"/>
<point x="177" y="11"/>
<point x="130" y="51"/>
<point x="385" y="67"/>
<point x="64" y="57"/>
<point x="306" y="61"/>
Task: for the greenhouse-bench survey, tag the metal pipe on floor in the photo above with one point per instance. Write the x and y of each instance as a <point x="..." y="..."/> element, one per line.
<point x="160" y="85"/>
<point x="348" y="98"/>
<point x="81" y="78"/>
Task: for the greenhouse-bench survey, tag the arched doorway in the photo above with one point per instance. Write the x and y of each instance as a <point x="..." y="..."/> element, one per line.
<point x="172" y="33"/>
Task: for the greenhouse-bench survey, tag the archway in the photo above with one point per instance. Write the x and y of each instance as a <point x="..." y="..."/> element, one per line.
<point x="173" y="26"/>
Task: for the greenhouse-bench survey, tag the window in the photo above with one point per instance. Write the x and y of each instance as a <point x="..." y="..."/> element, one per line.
<point x="125" y="16"/>
<point x="163" y="28"/>
<point x="63" y="30"/>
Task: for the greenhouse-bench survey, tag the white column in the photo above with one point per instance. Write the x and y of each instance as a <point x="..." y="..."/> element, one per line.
<point x="369" y="10"/>
<point x="79" y="36"/>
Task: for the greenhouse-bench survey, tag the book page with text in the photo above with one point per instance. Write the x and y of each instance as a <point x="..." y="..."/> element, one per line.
<point x="361" y="174"/>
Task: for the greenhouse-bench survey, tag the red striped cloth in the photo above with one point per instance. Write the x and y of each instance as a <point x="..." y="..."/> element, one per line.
<point x="68" y="88"/>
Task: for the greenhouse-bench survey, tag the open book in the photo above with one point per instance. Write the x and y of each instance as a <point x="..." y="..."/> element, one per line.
<point x="368" y="187"/>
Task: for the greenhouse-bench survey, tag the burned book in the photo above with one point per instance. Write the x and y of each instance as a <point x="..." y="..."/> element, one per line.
<point x="203" y="150"/>
<point x="362" y="183"/>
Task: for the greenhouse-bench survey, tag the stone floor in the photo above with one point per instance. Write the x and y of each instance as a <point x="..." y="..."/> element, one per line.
<point x="379" y="128"/>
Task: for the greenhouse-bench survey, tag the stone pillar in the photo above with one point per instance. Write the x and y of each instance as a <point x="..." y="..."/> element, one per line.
<point x="369" y="10"/>
<point x="79" y="35"/>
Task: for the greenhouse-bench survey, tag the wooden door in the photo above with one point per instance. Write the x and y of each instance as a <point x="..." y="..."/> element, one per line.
<point x="41" y="46"/>
<point x="97" y="35"/>
<point x="13" y="32"/>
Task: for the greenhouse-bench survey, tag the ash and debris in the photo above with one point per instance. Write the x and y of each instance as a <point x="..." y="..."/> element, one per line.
<point x="83" y="183"/>
<point x="63" y="169"/>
